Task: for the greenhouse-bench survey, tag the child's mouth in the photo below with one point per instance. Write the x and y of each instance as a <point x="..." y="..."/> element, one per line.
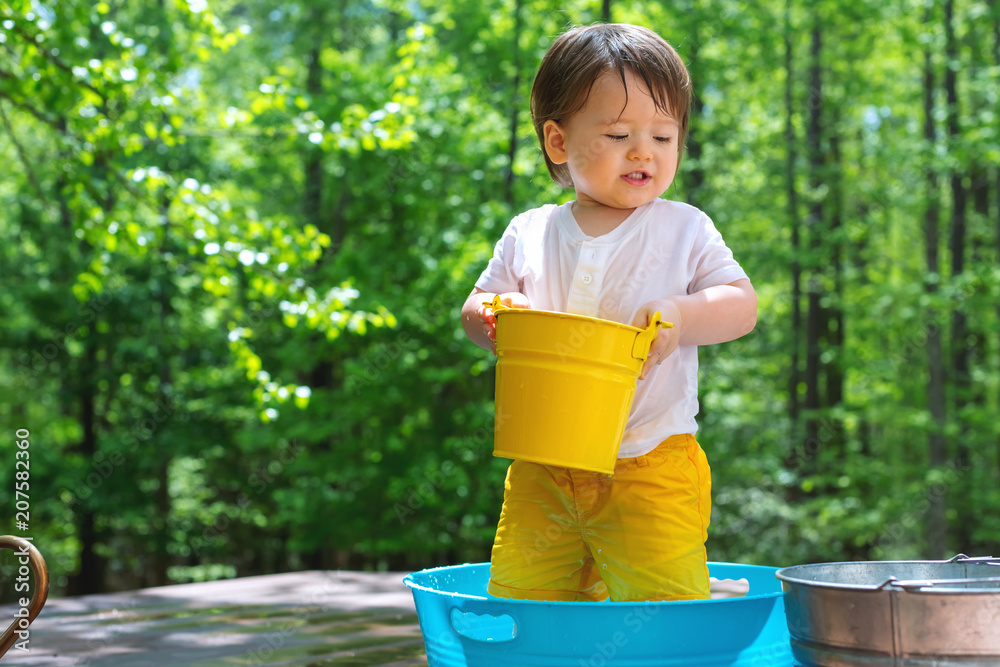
<point x="636" y="178"/>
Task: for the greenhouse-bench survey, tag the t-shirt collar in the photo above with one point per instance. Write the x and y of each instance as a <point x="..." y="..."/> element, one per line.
<point x="568" y="223"/>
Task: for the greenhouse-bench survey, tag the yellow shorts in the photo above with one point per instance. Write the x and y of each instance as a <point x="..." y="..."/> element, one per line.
<point x="636" y="535"/>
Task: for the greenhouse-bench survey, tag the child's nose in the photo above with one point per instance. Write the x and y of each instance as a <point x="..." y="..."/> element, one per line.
<point x="640" y="149"/>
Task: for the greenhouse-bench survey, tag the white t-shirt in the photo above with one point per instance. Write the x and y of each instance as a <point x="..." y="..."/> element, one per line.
<point x="663" y="248"/>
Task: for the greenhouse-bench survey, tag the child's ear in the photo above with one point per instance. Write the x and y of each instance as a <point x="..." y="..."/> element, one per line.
<point x="555" y="142"/>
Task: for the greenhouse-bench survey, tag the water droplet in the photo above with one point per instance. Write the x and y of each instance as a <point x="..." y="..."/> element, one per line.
<point x="605" y="566"/>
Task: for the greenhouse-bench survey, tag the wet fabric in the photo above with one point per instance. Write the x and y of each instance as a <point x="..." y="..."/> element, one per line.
<point x="636" y="535"/>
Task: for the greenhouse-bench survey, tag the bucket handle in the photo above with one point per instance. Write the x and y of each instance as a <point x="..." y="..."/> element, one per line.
<point x="497" y="306"/>
<point x="644" y="339"/>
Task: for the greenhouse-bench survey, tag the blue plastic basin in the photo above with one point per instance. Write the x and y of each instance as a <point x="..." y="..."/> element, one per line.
<point x="465" y="626"/>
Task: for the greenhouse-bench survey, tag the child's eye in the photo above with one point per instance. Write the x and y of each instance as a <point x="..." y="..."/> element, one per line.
<point x="617" y="137"/>
<point x="663" y="140"/>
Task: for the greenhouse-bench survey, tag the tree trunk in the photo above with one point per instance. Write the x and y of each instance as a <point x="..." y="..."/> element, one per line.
<point x="859" y="243"/>
<point x="606" y="11"/>
<point x="312" y="199"/>
<point x="515" y="106"/>
<point x="995" y="12"/>
<point x="320" y="375"/>
<point x="834" y="329"/>
<point x="814" y="316"/>
<point x="156" y="574"/>
<point x="695" y="179"/>
<point x="794" y="375"/>
<point x="159" y="559"/>
<point x="90" y="578"/>
<point x="971" y="488"/>
<point x="937" y="532"/>
<point x="959" y="321"/>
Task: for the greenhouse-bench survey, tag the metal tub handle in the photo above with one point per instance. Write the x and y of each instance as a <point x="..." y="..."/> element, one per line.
<point x="957" y="558"/>
<point x="928" y="583"/>
<point x="986" y="560"/>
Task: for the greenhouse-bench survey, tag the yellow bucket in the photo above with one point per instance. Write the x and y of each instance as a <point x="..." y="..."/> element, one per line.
<point x="564" y="386"/>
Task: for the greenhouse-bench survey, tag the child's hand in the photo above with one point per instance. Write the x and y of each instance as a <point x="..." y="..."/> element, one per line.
<point x="489" y="320"/>
<point x="666" y="339"/>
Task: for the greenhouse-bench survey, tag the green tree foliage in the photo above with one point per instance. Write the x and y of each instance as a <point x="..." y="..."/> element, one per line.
<point x="236" y="236"/>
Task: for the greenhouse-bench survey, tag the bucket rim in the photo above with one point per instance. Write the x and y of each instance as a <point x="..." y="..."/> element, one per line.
<point x="568" y="316"/>
<point x="413" y="585"/>
<point x="788" y="575"/>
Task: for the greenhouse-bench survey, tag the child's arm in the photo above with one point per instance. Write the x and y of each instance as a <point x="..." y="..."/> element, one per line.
<point x="714" y="315"/>
<point x="478" y="321"/>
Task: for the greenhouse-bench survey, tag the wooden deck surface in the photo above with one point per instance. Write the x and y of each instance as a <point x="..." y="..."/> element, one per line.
<point x="301" y="618"/>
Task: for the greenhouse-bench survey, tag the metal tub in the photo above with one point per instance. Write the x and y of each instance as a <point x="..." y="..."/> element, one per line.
<point x="895" y="613"/>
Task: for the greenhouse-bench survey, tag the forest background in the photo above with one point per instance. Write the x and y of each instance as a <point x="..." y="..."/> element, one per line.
<point x="235" y="237"/>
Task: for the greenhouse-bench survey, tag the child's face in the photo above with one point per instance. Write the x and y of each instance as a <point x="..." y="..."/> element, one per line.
<point x="618" y="158"/>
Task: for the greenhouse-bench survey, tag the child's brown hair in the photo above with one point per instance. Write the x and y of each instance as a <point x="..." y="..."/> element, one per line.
<point x="581" y="55"/>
